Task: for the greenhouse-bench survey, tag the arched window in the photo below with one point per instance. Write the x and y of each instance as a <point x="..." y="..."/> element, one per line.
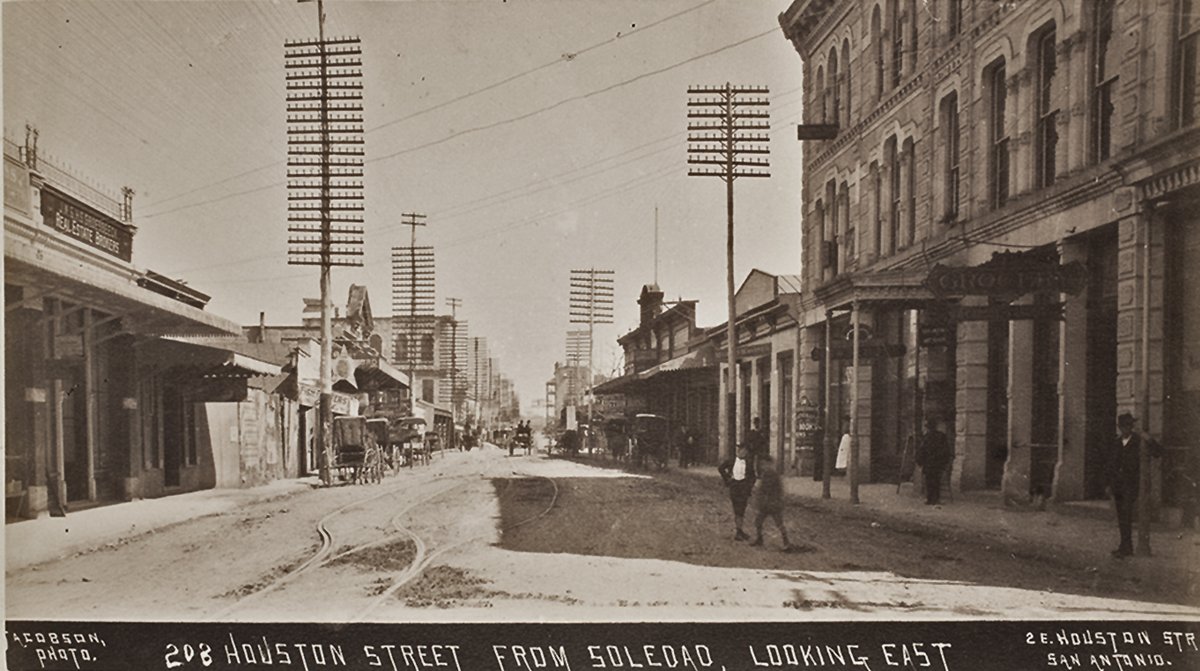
<point x="892" y="157"/>
<point x="877" y="50"/>
<point x="846" y="78"/>
<point x="997" y="88"/>
<point x="819" y="261"/>
<point x="834" y="84"/>
<point x="897" y="30"/>
<point x="914" y="24"/>
<point x="1046" y="101"/>
<point x="950" y="161"/>
<point x="910" y="188"/>
<point x="1104" y="82"/>
<point x="1187" y="63"/>
<point x="876" y="208"/>
<point x="819" y="92"/>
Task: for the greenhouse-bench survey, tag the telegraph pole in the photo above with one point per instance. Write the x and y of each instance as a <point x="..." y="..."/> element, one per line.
<point x="718" y="143"/>
<point x="325" y="159"/>
<point x="412" y="292"/>
<point x="454" y="304"/>
<point x="591" y="304"/>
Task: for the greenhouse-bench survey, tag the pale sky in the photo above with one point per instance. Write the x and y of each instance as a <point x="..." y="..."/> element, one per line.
<point x="537" y="136"/>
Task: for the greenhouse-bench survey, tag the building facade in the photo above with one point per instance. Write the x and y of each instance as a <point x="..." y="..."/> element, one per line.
<point x="1005" y="221"/>
<point x="103" y="402"/>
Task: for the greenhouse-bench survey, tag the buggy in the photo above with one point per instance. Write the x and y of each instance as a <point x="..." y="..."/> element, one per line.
<point x="651" y="435"/>
<point x="358" y="456"/>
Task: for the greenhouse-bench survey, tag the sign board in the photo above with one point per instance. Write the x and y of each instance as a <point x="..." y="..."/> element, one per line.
<point x="68" y="346"/>
<point x="16" y="186"/>
<point x="816" y="131"/>
<point x="808" y="424"/>
<point x="87" y="226"/>
<point x="1007" y="276"/>
<point x="342" y="404"/>
<point x="935" y="328"/>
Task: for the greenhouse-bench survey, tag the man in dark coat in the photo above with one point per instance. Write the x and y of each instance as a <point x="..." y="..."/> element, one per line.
<point x="933" y="456"/>
<point x="768" y="502"/>
<point x="1124" y="477"/>
<point x="756" y="440"/>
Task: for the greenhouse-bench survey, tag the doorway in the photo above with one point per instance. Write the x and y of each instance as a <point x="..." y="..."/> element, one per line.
<point x="1101" y="361"/>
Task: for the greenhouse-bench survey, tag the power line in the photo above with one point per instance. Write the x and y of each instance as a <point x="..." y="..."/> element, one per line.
<point x="511" y="120"/>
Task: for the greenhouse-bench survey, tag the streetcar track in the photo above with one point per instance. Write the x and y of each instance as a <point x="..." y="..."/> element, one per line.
<point x="421" y="561"/>
<point x="321" y="557"/>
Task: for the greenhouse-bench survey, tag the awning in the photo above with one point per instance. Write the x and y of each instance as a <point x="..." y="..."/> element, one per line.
<point x="46" y="265"/>
<point x="617" y="385"/>
<point x="694" y="360"/>
<point x="895" y="288"/>
<point x="209" y="359"/>
<point x="377" y="373"/>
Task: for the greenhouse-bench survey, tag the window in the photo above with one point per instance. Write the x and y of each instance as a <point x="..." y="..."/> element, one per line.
<point x="878" y="49"/>
<point x="910" y="166"/>
<point x="831" y="224"/>
<point x="954" y="18"/>
<point x="1046" y="140"/>
<point x="950" y="161"/>
<point x="893" y="167"/>
<point x="834" y="83"/>
<point x="913" y="25"/>
<point x="897" y="44"/>
<point x="1104" y="73"/>
<point x="877" y="207"/>
<point x="846" y="77"/>
<point x="846" y="236"/>
<point x="1187" y="63"/>
<point x="997" y="136"/>
<point x="820" y="95"/>
<point x="819" y="249"/>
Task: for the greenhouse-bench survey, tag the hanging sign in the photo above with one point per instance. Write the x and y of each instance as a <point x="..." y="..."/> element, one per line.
<point x="1008" y="276"/>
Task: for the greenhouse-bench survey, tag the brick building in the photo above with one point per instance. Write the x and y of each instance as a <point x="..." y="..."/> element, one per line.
<point x="1020" y="148"/>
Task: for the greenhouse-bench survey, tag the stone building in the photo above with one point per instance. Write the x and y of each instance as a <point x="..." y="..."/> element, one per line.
<point x="1008" y="209"/>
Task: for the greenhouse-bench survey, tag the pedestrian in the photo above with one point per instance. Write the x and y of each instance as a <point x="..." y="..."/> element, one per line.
<point x="739" y="475"/>
<point x="842" y="461"/>
<point x="933" y="456"/>
<point x="1124" y="476"/>
<point x="768" y="501"/>
<point x="756" y="440"/>
<point x="683" y="444"/>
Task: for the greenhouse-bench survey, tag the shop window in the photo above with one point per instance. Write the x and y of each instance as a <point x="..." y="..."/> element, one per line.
<point x="1104" y="71"/>
<point x="1187" y="62"/>
<point x="950" y="160"/>
<point x="1046" y="138"/>
<point x="997" y="135"/>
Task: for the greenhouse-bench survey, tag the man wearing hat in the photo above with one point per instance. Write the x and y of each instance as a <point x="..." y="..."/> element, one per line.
<point x="1124" y="477"/>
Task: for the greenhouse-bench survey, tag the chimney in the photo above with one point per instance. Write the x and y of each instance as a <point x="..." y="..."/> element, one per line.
<point x="262" y="327"/>
<point x="651" y="302"/>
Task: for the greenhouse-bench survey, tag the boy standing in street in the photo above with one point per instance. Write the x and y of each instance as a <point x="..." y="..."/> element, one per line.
<point x="769" y="501"/>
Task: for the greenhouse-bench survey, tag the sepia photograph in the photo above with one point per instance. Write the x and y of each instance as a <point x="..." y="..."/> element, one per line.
<point x="540" y="335"/>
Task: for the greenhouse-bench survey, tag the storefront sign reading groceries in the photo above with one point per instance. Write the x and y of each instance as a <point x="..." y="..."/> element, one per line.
<point x="1008" y="276"/>
<point x="81" y="224"/>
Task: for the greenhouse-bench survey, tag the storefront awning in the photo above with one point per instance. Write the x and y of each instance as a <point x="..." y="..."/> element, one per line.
<point x="617" y="385"/>
<point x="694" y="360"/>
<point x="48" y="266"/>
<point x="896" y="288"/>
<point x="208" y="357"/>
<point x="378" y="374"/>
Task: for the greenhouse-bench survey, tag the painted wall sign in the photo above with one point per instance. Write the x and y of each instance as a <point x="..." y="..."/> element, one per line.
<point x="83" y="224"/>
<point x="16" y="186"/>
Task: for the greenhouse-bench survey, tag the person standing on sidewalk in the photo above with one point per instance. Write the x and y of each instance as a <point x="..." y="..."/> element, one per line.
<point x="933" y="456"/>
<point x="1124" y="477"/>
<point x="756" y="440"/>
<point x="768" y="501"/>
<point x="738" y="472"/>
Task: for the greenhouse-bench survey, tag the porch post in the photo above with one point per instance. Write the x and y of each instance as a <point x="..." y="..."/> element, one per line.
<point x="853" y="466"/>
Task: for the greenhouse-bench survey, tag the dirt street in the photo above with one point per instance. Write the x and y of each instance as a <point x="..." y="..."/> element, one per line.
<point x="482" y="536"/>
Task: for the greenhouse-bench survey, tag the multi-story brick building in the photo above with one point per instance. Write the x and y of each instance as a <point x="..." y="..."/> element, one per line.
<point x="1004" y="141"/>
